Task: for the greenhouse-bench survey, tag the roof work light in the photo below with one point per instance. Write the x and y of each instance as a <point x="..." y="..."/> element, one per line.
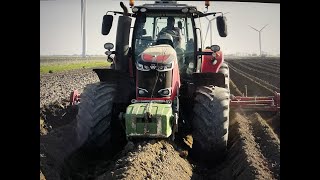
<point x="207" y="3"/>
<point x="131" y="3"/>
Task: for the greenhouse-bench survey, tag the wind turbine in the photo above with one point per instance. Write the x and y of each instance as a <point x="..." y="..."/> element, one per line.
<point x="259" y="35"/>
<point x="83" y="27"/>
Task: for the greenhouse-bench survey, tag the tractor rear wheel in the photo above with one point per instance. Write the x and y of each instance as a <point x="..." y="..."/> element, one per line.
<point x="210" y="124"/>
<point x="224" y="69"/>
<point x="95" y="114"/>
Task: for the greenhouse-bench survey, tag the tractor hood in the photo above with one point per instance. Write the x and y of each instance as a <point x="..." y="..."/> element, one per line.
<point x="158" y="57"/>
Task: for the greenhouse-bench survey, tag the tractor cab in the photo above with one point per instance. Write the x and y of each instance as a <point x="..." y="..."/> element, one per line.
<point x="154" y="27"/>
<point x="152" y="22"/>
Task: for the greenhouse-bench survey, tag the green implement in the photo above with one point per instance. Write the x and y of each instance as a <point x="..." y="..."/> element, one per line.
<point x="149" y="120"/>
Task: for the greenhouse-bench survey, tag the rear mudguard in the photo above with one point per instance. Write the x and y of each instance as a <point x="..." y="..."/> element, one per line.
<point x="125" y="84"/>
<point x="210" y="64"/>
<point x="111" y="75"/>
<point x="201" y="79"/>
<point x="205" y="79"/>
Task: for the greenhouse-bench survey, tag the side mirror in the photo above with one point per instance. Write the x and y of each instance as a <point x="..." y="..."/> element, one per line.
<point x="106" y="24"/>
<point x="222" y="26"/>
<point x="180" y="24"/>
<point x="215" y="48"/>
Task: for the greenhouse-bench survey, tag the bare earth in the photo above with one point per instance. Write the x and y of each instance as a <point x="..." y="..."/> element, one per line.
<point x="253" y="149"/>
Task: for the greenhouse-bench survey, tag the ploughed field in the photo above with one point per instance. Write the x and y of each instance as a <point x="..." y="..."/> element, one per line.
<point x="262" y="76"/>
<point x="253" y="146"/>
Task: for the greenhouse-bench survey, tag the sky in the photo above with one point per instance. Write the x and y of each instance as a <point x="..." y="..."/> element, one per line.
<point x="60" y="26"/>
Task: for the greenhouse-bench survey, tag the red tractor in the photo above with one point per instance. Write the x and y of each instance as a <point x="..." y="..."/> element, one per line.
<point x="160" y="83"/>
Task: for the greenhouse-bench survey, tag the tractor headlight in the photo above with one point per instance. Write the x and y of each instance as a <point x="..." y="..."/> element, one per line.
<point x="108" y="53"/>
<point x="108" y="46"/>
<point x="214" y="62"/>
<point x="165" y="92"/>
<point x="214" y="58"/>
<point x="135" y="9"/>
<point x="215" y="48"/>
<point x="143" y="10"/>
<point x="185" y="10"/>
<point x="193" y="10"/>
<point x="109" y="59"/>
<point x="141" y="92"/>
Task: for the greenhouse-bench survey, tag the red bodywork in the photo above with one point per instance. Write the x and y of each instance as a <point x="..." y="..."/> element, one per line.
<point x="175" y="85"/>
<point x="157" y="59"/>
<point x="74" y="97"/>
<point x="207" y="61"/>
<point x="175" y="76"/>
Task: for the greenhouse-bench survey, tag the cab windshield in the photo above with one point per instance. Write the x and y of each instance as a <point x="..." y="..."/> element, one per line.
<point x="148" y="30"/>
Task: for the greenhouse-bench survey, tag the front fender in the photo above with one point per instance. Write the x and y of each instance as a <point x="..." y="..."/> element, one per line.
<point x="207" y="62"/>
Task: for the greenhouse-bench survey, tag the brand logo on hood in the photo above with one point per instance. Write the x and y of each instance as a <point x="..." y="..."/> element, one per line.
<point x="154" y="58"/>
<point x="153" y="66"/>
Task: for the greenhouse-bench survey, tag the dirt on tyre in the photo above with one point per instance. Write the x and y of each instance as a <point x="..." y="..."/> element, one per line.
<point x="210" y="124"/>
<point x="95" y="114"/>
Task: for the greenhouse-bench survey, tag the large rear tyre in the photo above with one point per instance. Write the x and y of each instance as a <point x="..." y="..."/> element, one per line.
<point x="224" y="69"/>
<point x="210" y="124"/>
<point x="95" y="114"/>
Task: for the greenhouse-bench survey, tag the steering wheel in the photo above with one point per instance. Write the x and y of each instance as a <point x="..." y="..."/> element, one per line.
<point x="171" y="32"/>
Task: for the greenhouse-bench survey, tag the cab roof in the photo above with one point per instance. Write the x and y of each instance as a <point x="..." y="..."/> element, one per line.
<point x="165" y="5"/>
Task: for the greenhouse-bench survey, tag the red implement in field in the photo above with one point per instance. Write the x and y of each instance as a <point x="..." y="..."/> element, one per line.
<point x="74" y="97"/>
<point x="268" y="103"/>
